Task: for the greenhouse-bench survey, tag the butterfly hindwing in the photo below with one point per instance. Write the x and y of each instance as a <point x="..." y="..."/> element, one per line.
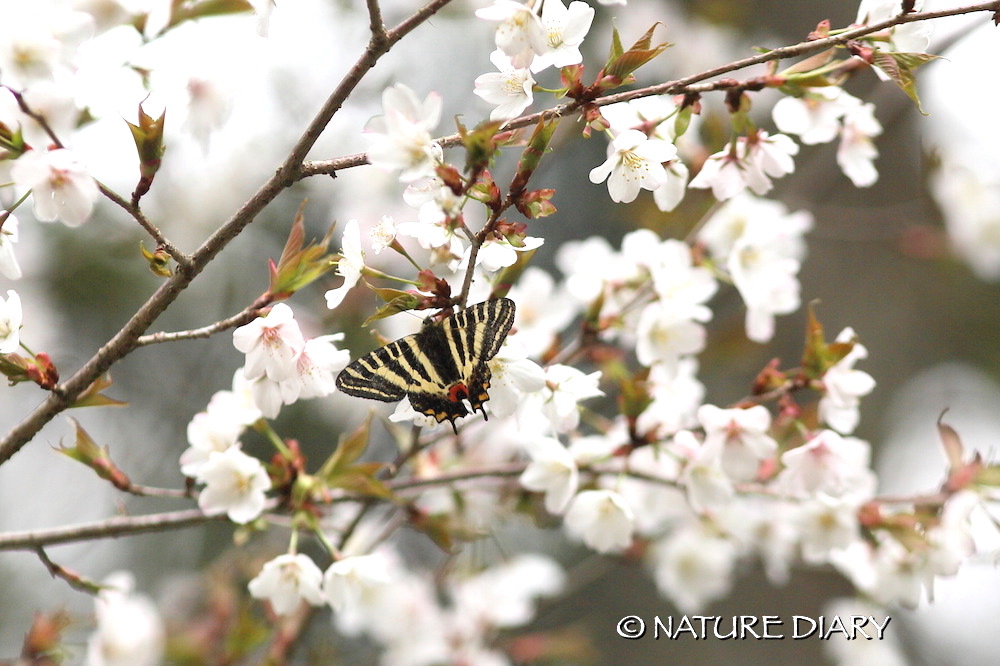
<point x="440" y="367"/>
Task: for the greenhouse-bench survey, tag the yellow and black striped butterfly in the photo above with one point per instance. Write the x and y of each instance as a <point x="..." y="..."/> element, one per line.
<point x="438" y="368"/>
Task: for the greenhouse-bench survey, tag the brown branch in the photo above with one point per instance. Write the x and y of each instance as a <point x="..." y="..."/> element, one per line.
<point x="37" y="117"/>
<point x="375" y="23"/>
<point x="246" y="316"/>
<point x="126" y="340"/>
<point x="499" y="471"/>
<point x="689" y="84"/>
<point x="104" y="529"/>
<point x="75" y="581"/>
<point x="136" y="213"/>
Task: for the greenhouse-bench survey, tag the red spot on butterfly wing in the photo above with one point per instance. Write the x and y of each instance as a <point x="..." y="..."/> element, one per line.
<point x="458" y="392"/>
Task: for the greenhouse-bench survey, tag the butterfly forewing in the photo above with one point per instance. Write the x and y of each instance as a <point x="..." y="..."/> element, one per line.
<point x="438" y="368"/>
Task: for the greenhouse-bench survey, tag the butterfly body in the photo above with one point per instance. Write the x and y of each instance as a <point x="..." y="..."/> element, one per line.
<point x="440" y="367"/>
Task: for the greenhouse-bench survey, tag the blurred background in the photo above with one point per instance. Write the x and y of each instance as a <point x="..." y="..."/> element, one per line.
<point x="880" y="260"/>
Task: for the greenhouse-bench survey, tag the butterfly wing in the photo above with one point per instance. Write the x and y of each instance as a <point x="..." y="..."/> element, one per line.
<point x="379" y="375"/>
<point x="438" y="368"/>
<point x="475" y="336"/>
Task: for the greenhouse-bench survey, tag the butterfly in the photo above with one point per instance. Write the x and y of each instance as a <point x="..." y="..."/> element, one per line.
<point x="440" y="367"/>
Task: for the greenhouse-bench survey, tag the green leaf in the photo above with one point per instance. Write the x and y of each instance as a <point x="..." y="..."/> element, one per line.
<point x="480" y="144"/>
<point x="358" y="479"/>
<point x="300" y="263"/>
<point x="901" y="68"/>
<point x="989" y="476"/>
<point x="92" y="396"/>
<point x="195" y="9"/>
<point x="683" y="120"/>
<point x="951" y="442"/>
<point x="616" y="45"/>
<point x="349" y="449"/>
<point x="532" y="154"/>
<point x="622" y="65"/>
<point x="396" y="301"/>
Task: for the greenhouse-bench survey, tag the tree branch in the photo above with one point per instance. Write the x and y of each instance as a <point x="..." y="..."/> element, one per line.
<point x="688" y="84"/>
<point x="246" y="316"/>
<point x="126" y="340"/>
<point x="104" y="529"/>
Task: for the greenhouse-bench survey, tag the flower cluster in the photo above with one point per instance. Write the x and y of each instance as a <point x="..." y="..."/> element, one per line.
<point x="376" y="595"/>
<point x="282" y="365"/>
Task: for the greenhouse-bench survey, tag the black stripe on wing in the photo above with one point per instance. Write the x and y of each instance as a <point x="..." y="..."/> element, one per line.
<point x="378" y="375"/>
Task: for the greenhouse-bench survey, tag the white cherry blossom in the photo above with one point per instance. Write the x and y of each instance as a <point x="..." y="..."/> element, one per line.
<point x="520" y="34"/>
<point x="383" y="233"/>
<point x="400" y="139"/>
<point x="649" y="114"/>
<point x="235" y="484"/>
<point x="830" y="464"/>
<point x="347" y="582"/>
<point x="544" y="309"/>
<point x="906" y="38"/>
<point x="509" y="90"/>
<point x="500" y="253"/>
<point x="503" y="596"/>
<point x="61" y="187"/>
<point x="514" y="377"/>
<point x="815" y="116"/>
<point x="316" y="368"/>
<point x="208" y="432"/>
<point x="750" y="162"/>
<point x="844" y="387"/>
<point x="694" y="567"/>
<point x="272" y="344"/>
<point x="349" y="266"/>
<point x="725" y="174"/>
<point x="287" y="581"/>
<point x="969" y="200"/>
<point x="857" y="152"/>
<point x="129" y="630"/>
<point x="705" y="481"/>
<point x="760" y="244"/>
<point x="8" y="236"/>
<point x="601" y="519"/>
<point x="41" y="41"/>
<point x="565" y="388"/>
<point x="665" y="335"/>
<point x="565" y="28"/>
<point x="669" y="194"/>
<point x="827" y="524"/>
<point x="552" y="471"/>
<point x="676" y="394"/>
<point x="741" y="437"/>
<point x="634" y="162"/>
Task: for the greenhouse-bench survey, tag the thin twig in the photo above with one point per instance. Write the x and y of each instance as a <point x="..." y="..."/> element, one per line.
<point x="239" y="319"/>
<point x="498" y="471"/>
<point x="136" y="213"/>
<point x="153" y="491"/>
<point x="37" y="117"/>
<point x="104" y="529"/>
<point x="74" y="580"/>
<point x="375" y="23"/>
